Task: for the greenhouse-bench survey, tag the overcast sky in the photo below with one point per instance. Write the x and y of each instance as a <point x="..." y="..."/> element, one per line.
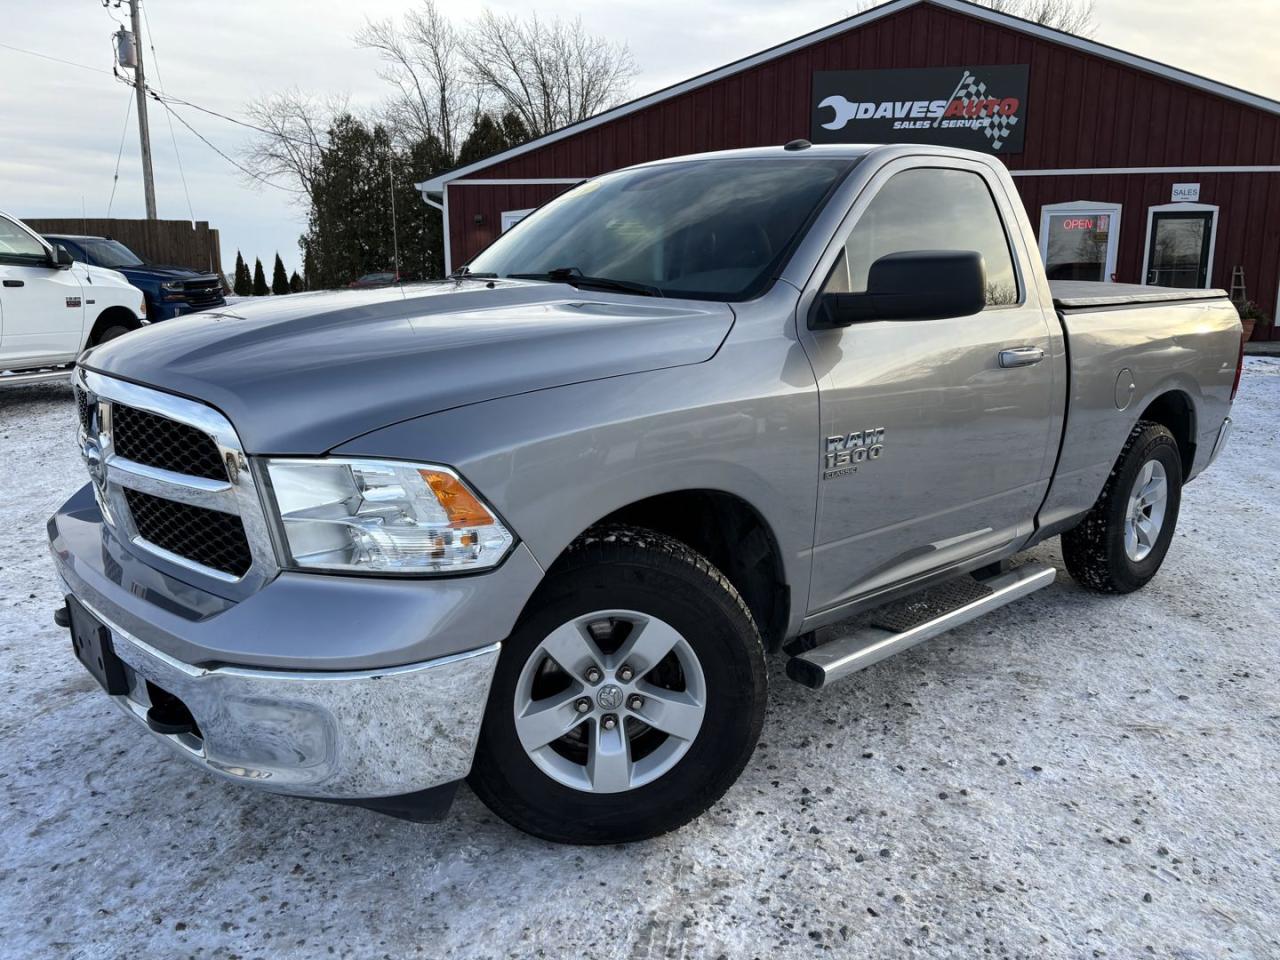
<point x="62" y="125"/>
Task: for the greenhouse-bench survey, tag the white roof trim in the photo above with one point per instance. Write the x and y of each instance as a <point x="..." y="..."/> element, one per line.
<point x="1108" y="171"/>
<point x="435" y="184"/>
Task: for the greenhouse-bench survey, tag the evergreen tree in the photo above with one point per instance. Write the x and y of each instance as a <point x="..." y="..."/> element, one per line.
<point x="279" y="279"/>
<point x="243" y="285"/>
<point x="295" y="283"/>
<point x="489" y="136"/>
<point x="260" y="288"/>
<point x="349" y="228"/>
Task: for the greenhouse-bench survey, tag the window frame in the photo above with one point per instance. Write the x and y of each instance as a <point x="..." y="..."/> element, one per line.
<point x="21" y="259"/>
<point x="858" y="207"/>
<point x="1182" y="207"/>
<point x="1113" y="210"/>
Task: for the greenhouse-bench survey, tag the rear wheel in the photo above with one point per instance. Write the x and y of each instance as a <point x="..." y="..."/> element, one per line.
<point x="1123" y="540"/>
<point x="628" y="698"/>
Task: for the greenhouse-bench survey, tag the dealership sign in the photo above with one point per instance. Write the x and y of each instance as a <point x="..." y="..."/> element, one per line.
<point x="978" y="108"/>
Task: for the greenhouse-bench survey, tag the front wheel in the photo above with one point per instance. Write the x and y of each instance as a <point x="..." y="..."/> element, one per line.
<point x="629" y="697"/>
<point x="1122" y="541"/>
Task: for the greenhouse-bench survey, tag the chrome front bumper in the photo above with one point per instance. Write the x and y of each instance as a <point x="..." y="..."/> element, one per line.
<point x="327" y="735"/>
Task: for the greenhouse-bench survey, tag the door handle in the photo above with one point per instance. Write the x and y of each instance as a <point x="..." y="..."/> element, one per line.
<point x="1021" y="356"/>
<point x="13" y="283"/>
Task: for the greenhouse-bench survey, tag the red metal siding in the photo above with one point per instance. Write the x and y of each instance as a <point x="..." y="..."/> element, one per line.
<point x="1083" y="111"/>
<point x="1248" y="220"/>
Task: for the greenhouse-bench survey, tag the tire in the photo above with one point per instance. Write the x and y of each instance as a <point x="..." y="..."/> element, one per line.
<point x="623" y="589"/>
<point x="1096" y="552"/>
<point x="110" y="333"/>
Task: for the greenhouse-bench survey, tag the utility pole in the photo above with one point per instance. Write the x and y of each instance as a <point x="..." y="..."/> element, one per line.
<point x="144" y="130"/>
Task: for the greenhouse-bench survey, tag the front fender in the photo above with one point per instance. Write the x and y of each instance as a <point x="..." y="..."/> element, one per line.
<point x="553" y="462"/>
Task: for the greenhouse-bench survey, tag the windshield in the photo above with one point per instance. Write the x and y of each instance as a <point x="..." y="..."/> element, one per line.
<point x="706" y="229"/>
<point x="110" y="253"/>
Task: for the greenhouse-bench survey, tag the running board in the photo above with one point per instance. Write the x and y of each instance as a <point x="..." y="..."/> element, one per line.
<point x="35" y="376"/>
<point x="844" y="655"/>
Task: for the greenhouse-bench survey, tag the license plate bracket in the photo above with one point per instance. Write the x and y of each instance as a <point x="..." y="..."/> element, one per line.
<point x="93" y="648"/>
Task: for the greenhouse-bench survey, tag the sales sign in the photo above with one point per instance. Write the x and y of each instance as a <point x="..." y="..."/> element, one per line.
<point x="977" y="108"/>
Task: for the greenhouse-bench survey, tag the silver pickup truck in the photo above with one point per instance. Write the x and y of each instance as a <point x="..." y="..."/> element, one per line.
<point x="539" y="525"/>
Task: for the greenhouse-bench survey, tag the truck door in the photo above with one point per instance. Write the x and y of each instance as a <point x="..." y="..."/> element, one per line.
<point x="933" y="452"/>
<point x="42" y="305"/>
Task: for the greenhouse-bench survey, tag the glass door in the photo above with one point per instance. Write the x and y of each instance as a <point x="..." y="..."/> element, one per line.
<point x="1179" y="248"/>
<point x="1078" y="240"/>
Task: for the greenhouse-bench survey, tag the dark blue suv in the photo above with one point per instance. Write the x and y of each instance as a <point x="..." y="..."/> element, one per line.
<point x="170" y="291"/>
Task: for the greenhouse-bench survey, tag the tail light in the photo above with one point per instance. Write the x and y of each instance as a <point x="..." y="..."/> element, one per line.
<point x="1235" y="386"/>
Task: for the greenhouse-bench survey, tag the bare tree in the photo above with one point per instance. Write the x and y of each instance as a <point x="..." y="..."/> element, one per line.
<point x="549" y="73"/>
<point x="434" y="97"/>
<point x="1070" y="16"/>
<point x="295" y="128"/>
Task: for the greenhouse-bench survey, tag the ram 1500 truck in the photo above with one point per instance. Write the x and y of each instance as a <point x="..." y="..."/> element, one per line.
<point x="539" y="525"/>
<point x="52" y="308"/>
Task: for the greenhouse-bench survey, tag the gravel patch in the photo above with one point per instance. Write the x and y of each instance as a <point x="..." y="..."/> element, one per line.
<point x="1073" y="776"/>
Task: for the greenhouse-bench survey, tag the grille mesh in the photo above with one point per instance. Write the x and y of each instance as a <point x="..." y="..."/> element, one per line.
<point x="84" y="409"/>
<point x="208" y="537"/>
<point x="160" y="442"/>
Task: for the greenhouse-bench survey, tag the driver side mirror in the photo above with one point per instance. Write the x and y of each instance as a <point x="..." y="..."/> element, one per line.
<point x="61" y="259"/>
<point x="912" y="285"/>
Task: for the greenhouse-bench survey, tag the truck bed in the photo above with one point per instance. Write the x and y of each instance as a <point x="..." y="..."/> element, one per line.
<point x="1085" y="295"/>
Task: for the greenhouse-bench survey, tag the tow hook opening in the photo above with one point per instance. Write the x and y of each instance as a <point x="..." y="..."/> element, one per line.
<point x="169" y="715"/>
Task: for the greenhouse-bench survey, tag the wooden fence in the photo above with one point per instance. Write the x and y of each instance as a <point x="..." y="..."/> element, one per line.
<point x="177" y="242"/>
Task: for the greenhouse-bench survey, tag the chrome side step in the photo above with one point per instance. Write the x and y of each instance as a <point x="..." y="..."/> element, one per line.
<point x="838" y="658"/>
<point x="35" y="376"/>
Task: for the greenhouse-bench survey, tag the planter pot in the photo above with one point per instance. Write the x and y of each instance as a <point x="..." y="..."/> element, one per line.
<point x="1248" y="329"/>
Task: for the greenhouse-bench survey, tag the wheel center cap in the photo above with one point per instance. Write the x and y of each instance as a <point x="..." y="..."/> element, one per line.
<point x="609" y="697"/>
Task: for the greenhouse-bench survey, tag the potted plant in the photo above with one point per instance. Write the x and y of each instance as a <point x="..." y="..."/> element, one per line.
<point x="1251" y="316"/>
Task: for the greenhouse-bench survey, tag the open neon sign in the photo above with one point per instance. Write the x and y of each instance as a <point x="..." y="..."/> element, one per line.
<point x="1100" y="223"/>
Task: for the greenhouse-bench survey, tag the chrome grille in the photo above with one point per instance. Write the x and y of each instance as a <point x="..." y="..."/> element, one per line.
<point x="160" y="442"/>
<point x="208" y="537"/>
<point x="84" y="409"/>
<point x="173" y="480"/>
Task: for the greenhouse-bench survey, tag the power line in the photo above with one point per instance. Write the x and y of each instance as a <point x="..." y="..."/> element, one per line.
<point x="115" y="180"/>
<point x="69" y="63"/>
<point x="243" y="123"/>
<point x="243" y="169"/>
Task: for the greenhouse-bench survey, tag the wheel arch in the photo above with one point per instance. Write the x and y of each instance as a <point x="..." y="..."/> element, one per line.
<point x="1175" y="410"/>
<point x="730" y="532"/>
<point x="116" y="316"/>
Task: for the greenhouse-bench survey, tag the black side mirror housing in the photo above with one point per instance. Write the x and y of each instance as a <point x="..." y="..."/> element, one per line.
<point x="61" y="259"/>
<point x="912" y="285"/>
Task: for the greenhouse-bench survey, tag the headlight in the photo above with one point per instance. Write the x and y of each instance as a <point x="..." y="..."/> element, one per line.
<point x="383" y="516"/>
<point x="172" y="286"/>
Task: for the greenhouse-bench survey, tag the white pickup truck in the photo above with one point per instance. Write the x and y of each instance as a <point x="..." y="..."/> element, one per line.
<point x="52" y="308"/>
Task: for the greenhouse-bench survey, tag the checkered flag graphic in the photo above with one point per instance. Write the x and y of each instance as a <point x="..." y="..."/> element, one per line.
<point x="972" y="90"/>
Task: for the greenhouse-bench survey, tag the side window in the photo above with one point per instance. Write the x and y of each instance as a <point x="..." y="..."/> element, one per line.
<point x="18" y="246"/>
<point x="929" y="209"/>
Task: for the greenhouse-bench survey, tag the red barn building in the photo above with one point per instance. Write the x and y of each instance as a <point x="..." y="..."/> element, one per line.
<point x="1129" y="168"/>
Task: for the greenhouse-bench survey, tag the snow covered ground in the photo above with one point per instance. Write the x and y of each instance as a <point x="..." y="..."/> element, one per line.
<point x="1075" y="776"/>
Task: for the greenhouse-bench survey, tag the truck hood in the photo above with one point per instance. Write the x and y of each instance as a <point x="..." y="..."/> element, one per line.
<point x="304" y="373"/>
<point x="102" y="277"/>
<point x="163" y="271"/>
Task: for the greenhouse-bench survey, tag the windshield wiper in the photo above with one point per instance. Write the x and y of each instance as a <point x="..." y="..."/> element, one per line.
<point x="465" y="273"/>
<point x="576" y="278"/>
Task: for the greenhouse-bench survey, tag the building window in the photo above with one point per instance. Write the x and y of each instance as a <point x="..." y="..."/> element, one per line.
<point x="1179" y="248"/>
<point x="511" y="217"/>
<point x="1078" y="240"/>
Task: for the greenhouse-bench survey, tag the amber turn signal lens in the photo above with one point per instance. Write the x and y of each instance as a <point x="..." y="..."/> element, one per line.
<point x="459" y="503"/>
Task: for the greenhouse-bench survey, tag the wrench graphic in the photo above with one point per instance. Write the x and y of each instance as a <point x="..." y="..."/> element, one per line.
<point x="843" y="110"/>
